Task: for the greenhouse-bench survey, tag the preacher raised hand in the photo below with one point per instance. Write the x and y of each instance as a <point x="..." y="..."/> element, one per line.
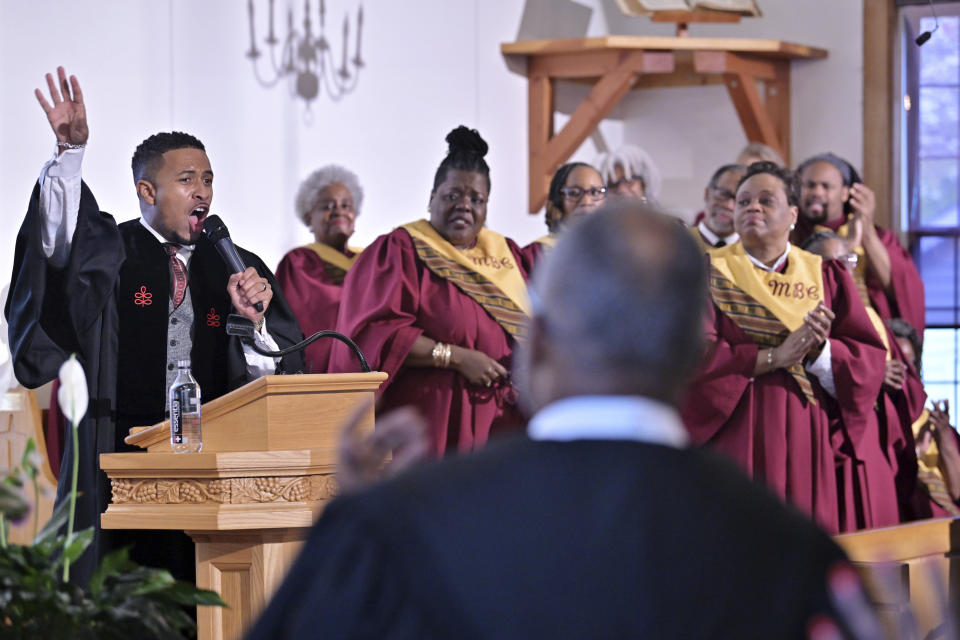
<point x="67" y="114"/>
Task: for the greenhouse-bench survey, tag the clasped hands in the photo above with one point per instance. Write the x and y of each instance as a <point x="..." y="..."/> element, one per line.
<point x="807" y="341"/>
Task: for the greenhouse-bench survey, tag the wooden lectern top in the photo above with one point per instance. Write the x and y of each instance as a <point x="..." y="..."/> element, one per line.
<point x="274" y="413"/>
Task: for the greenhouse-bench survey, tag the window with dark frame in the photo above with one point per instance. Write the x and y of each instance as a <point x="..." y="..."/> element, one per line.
<point x="932" y="163"/>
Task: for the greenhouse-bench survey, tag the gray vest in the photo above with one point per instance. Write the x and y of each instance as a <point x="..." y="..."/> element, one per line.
<point x="179" y="338"/>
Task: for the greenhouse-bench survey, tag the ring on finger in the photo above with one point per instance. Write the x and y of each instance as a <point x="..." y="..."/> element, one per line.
<point x="264" y="287"/>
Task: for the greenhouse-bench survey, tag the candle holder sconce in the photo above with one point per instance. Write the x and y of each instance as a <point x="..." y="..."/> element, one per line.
<point x="306" y="60"/>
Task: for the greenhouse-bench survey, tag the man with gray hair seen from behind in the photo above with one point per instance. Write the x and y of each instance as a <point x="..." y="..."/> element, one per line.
<point x="602" y="522"/>
<point x="328" y="202"/>
<point x="629" y="172"/>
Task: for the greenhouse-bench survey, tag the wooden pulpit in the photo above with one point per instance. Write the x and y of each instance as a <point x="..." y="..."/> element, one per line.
<point x="250" y="496"/>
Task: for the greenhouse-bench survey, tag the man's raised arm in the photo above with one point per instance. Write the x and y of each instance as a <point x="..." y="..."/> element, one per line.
<point x="60" y="177"/>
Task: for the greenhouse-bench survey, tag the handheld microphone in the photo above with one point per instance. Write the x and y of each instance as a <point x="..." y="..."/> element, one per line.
<point x="218" y="235"/>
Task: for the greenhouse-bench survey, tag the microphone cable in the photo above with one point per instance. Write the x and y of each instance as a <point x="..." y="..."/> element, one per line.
<point x="242" y="327"/>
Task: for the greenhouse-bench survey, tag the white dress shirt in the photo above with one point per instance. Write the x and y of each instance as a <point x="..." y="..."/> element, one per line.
<point x="822" y="367"/>
<point x="609" y="418"/>
<point x="713" y="238"/>
<point x="60" y="181"/>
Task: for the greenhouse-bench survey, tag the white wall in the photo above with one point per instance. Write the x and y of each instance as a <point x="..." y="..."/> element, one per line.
<point x="431" y="64"/>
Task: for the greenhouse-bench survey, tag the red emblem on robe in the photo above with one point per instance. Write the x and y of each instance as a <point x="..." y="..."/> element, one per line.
<point x="213" y="320"/>
<point x="143" y="298"/>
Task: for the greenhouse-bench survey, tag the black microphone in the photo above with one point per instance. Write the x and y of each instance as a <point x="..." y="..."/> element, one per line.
<point x="218" y="235"/>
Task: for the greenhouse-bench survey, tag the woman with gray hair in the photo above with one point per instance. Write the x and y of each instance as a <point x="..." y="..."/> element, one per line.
<point x="629" y="172"/>
<point x="328" y="202"/>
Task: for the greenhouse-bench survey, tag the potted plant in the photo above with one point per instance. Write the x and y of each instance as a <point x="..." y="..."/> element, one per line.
<point x="123" y="600"/>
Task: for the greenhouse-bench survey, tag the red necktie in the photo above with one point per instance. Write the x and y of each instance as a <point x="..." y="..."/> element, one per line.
<point x="178" y="275"/>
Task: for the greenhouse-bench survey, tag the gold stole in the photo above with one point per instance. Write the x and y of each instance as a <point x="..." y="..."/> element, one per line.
<point x="860" y="273"/>
<point x="880" y="328"/>
<point x="335" y="263"/>
<point x="767" y="306"/>
<point x="487" y="272"/>
<point x="929" y="469"/>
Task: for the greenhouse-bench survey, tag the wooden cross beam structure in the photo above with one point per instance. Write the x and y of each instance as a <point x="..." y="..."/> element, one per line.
<point x="614" y="65"/>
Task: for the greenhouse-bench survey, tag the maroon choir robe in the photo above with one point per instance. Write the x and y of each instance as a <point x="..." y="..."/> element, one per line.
<point x="907" y="297"/>
<point x="313" y="288"/>
<point x="534" y="252"/>
<point x="390" y="298"/>
<point x="766" y="424"/>
<point x="897" y="410"/>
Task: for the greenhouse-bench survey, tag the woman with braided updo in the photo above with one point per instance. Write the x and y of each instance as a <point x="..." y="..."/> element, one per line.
<point x="439" y="304"/>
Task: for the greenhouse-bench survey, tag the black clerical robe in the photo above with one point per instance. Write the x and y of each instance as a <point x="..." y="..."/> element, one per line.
<point x="579" y="539"/>
<point x="109" y="305"/>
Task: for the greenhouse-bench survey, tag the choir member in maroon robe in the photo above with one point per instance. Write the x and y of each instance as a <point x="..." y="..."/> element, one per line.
<point x="833" y="197"/>
<point x="937" y="491"/>
<point x="882" y="471"/>
<point x="630" y="173"/>
<point x="786" y="344"/>
<point x="439" y="306"/>
<point x="328" y="202"/>
<point x="714" y="229"/>
<point x="575" y="191"/>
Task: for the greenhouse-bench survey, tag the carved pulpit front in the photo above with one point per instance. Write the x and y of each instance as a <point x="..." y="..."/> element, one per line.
<point x="249" y="498"/>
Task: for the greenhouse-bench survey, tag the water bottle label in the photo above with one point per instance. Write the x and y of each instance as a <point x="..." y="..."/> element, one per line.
<point x="176" y="422"/>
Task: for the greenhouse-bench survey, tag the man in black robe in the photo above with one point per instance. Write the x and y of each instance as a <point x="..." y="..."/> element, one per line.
<point x="603" y="522"/>
<point x="111" y="294"/>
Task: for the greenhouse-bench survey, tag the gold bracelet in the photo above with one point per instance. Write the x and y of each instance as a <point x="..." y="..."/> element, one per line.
<point x="447" y="351"/>
<point x="437" y="354"/>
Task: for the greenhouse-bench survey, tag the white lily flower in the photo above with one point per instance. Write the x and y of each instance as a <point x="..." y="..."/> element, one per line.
<point x="72" y="396"/>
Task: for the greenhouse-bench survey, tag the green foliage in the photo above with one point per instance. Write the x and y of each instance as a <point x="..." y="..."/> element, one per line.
<point x="122" y="601"/>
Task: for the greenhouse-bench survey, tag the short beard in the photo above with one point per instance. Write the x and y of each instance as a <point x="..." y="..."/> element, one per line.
<point x="814" y="219"/>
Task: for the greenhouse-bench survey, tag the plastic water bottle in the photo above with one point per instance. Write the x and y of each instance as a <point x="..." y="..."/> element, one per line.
<point x="185" y="411"/>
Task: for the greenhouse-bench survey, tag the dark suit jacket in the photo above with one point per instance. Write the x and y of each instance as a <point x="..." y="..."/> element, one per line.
<point x="588" y="539"/>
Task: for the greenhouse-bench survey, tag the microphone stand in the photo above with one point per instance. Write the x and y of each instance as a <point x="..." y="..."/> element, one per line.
<point x="243" y="328"/>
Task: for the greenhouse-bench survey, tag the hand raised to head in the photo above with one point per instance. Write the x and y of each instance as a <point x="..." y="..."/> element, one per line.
<point x="67" y="114"/>
<point x="863" y="202"/>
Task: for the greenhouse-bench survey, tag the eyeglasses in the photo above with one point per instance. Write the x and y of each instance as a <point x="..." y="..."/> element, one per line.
<point x="616" y="184"/>
<point x="577" y="193"/>
<point x="722" y="195"/>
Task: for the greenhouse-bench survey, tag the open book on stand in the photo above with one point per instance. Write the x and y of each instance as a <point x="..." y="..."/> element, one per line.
<point x="648" y="7"/>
